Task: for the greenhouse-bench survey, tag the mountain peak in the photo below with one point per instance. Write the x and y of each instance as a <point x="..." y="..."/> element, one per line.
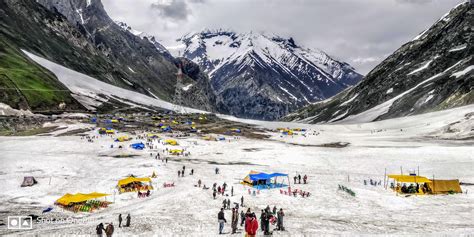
<point x="275" y="70"/>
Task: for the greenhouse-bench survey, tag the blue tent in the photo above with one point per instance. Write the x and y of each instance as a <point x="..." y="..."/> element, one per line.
<point x="264" y="180"/>
<point x="138" y="146"/>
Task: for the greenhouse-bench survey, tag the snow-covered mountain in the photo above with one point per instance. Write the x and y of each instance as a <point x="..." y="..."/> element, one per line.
<point x="265" y="76"/>
<point x="151" y="38"/>
<point x="434" y="71"/>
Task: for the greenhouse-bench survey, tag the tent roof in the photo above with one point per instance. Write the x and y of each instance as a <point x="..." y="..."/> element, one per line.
<point x="265" y="176"/>
<point x="409" y="178"/>
<point x="444" y="186"/>
<point x="79" y="197"/>
<point x="132" y="179"/>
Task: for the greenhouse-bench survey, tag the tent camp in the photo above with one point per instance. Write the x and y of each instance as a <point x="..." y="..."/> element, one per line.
<point x="85" y="202"/>
<point x="260" y="180"/>
<point x="28" y="181"/>
<point x="134" y="184"/>
<point x="444" y="186"/>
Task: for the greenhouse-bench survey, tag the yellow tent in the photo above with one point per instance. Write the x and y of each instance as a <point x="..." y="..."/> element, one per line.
<point x="209" y="138"/>
<point x="444" y="186"/>
<point x="176" y="151"/>
<point x="132" y="179"/>
<point x="79" y="197"/>
<point x="246" y="180"/>
<point x="171" y="142"/>
<point x="123" y="139"/>
<point x="174" y="122"/>
<point x="151" y="135"/>
<point x="409" y="178"/>
<point x="111" y="131"/>
<point x="114" y="121"/>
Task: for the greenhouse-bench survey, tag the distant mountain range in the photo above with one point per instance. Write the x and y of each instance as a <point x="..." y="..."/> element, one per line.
<point x="434" y="71"/>
<point x="264" y="77"/>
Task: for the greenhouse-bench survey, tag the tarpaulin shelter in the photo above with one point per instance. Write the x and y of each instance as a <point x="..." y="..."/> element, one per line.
<point x="123" y="139"/>
<point x="176" y="151"/>
<point x="409" y="178"/>
<point x="110" y="131"/>
<point x="444" y="186"/>
<point x="114" y="121"/>
<point x="134" y="184"/>
<point x="150" y="135"/>
<point x="166" y="128"/>
<point x="68" y="198"/>
<point x="84" y="202"/>
<point x="236" y="130"/>
<point x="260" y="180"/>
<point x="138" y="146"/>
<point x="28" y="181"/>
<point x="171" y="142"/>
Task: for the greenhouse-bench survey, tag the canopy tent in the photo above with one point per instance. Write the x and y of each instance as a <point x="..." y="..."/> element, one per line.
<point x="260" y="180"/>
<point x="444" y="186"/>
<point x="171" y="142"/>
<point x="132" y="184"/>
<point x="138" y="146"/>
<point x="409" y="178"/>
<point x="68" y="198"/>
<point x="28" y="181"/>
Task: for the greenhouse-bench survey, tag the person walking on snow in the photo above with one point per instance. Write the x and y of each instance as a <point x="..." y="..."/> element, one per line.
<point x="299" y="179"/>
<point x="228" y="204"/>
<point x="294" y="178"/>
<point x="221" y="219"/>
<point x="242" y="201"/>
<point x="232" y="191"/>
<point x="225" y="204"/>
<point x="199" y="183"/>
<point x="274" y="210"/>
<point x="214" y="194"/>
<point x="120" y="220"/>
<point x="179" y="173"/>
<point x="217" y="170"/>
<point x="305" y="178"/>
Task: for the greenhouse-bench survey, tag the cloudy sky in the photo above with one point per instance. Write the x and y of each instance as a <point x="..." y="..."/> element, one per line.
<point x="360" y="32"/>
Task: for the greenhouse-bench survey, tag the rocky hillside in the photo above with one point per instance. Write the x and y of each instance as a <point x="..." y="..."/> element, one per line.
<point x="79" y="34"/>
<point x="434" y="71"/>
<point x="265" y="77"/>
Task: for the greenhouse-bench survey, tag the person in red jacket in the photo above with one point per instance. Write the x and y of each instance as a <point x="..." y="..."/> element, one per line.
<point x="251" y="225"/>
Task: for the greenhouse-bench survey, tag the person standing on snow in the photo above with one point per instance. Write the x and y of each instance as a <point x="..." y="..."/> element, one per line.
<point x="120" y="220"/>
<point x="232" y="191"/>
<point x="280" y="216"/>
<point x="179" y="173"/>
<point x="251" y="225"/>
<point x="305" y="178"/>
<point x="242" y="218"/>
<point x="127" y="224"/>
<point x="262" y="221"/>
<point x="109" y="230"/>
<point x="235" y="220"/>
<point x="221" y="219"/>
<point x="294" y="178"/>
<point x="99" y="229"/>
<point x="242" y="201"/>
<point x="214" y="194"/>
<point x="225" y="204"/>
<point x="274" y="210"/>
<point x="299" y="179"/>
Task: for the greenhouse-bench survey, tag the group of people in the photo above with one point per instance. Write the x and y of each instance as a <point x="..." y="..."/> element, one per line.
<point x="220" y="190"/>
<point x="298" y="178"/>
<point x="373" y="182"/>
<point x="249" y="219"/>
<point x="181" y="172"/>
<point x="109" y="230"/>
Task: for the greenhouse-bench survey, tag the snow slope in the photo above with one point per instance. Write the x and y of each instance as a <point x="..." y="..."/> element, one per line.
<point x="90" y="92"/>
<point x="75" y="165"/>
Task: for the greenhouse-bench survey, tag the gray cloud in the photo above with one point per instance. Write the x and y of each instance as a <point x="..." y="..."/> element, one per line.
<point x="176" y="9"/>
<point x="360" y="32"/>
